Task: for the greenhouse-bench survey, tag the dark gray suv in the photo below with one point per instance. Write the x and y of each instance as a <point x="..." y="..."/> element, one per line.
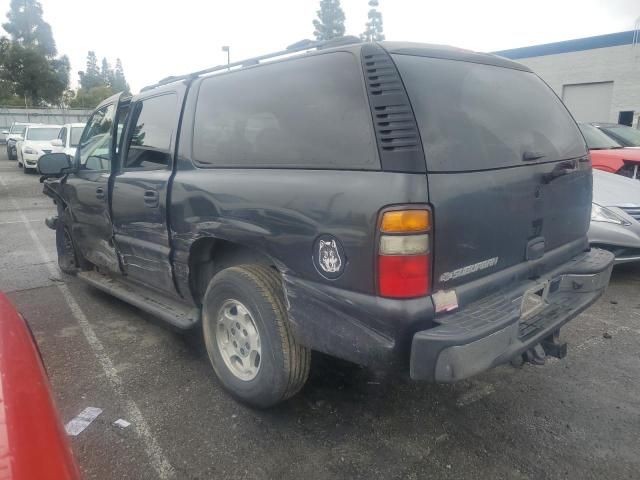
<point x="402" y="206"/>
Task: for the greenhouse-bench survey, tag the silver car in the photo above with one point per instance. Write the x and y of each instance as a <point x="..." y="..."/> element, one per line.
<point x="615" y="216"/>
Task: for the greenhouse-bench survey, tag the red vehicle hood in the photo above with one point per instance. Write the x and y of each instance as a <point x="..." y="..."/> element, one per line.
<point x="33" y="444"/>
<point x="613" y="160"/>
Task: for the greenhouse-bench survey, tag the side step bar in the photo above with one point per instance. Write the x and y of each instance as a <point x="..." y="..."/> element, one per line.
<point x="178" y="314"/>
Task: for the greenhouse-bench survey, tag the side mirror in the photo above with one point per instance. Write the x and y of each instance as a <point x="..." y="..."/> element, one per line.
<point x="53" y="164"/>
<point x="57" y="143"/>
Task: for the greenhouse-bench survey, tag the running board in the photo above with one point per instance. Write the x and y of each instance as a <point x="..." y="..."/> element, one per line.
<point x="174" y="312"/>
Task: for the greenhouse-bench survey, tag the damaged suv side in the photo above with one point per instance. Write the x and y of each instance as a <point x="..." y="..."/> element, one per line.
<point x="401" y="206"/>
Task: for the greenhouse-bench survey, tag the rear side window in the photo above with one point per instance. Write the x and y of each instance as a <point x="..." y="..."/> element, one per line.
<point x="304" y="113"/>
<point x="149" y="146"/>
<point x="475" y="117"/>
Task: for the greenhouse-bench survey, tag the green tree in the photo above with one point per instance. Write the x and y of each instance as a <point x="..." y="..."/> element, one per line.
<point x="96" y="84"/>
<point x="90" y="98"/>
<point x="32" y="76"/>
<point x="91" y="76"/>
<point x="119" y="81"/>
<point x="29" y="69"/>
<point x="330" y="21"/>
<point x="373" y="32"/>
<point x="106" y="72"/>
<point x="27" y="27"/>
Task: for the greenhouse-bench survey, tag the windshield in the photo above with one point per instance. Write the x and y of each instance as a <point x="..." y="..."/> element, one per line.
<point x="76" y="133"/>
<point x="485" y="117"/>
<point x="596" y="140"/>
<point x="18" y="129"/>
<point x="42" y="134"/>
<point x="626" y="135"/>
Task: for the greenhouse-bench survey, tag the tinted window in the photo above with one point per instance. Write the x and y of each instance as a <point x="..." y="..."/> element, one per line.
<point x="76" y="133"/>
<point x="42" y="134"/>
<point x="95" y="144"/>
<point x="309" y="112"/>
<point x="596" y="140"/>
<point x="151" y="137"/>
<point x="63" y="135"/>
<point x="473" y="116"/>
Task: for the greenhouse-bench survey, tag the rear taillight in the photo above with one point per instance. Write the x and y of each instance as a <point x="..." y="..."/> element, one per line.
<point x="404" y="253"/>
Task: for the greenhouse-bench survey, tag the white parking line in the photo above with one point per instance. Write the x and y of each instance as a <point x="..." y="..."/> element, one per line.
<point x="159" y="461"/>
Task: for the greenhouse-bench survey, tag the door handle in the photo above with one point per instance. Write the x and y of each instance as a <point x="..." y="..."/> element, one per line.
<point x="100" y="193"/>
<point x="151" y="198"/>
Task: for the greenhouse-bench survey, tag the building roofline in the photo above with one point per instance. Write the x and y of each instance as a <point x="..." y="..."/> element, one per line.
<point x="576" y="45"/>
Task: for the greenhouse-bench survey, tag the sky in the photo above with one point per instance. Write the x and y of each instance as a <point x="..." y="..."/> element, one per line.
<point x="155" y="39"/>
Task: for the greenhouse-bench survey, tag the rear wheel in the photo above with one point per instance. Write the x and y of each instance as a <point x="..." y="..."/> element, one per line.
<point x="248" y="337"/>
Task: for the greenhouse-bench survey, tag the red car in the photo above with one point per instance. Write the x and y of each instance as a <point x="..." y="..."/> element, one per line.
<point x="33" y="443"/>
<point x="609" y="155"/>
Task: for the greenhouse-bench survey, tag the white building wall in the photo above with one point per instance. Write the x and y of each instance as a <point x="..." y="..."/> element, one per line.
<point x="620" y="65"/>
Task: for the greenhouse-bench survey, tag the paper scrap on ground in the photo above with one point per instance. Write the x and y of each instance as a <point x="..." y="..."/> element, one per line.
<point x="121" y="423"/>
<point x="82" y="421"/>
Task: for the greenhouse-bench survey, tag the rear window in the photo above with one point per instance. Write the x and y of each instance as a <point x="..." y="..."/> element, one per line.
<point x="302" y="113"/>
<point x="475" y="117"/>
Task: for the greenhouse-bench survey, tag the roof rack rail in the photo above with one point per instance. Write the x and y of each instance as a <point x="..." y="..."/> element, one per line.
<point x="300" y="46"/>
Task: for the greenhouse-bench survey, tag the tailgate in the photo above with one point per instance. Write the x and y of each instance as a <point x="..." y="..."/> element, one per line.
<point x="508" y="171"/>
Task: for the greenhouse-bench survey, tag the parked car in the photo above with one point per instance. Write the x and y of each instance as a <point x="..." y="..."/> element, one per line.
<point x="608" y="155"/>
<point x="68" y="138"/>
<point x="15" y="133"/>
<point x="37" y="142"/>
<point x="615" y="216"/>
<point x="333" y="201"/>
<point x="33" y="442"/>
<point x="626" y="136"/>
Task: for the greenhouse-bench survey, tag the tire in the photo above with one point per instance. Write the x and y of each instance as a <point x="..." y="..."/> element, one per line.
<point x="11" y="155"/>
<point x="25" y="170"/>
<point x="283" y="365"/>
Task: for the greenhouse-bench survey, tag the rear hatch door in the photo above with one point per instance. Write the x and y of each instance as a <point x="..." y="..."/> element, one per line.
<point x="508" y="171"/>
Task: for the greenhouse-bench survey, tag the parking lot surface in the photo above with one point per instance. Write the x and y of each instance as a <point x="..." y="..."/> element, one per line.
<point x="576" y="418"/>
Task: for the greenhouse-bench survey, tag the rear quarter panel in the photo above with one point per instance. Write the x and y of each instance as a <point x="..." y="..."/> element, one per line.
<point x="282" y="212"/>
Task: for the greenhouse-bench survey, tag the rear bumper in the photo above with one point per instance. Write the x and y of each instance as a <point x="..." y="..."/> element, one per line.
<point x="491" y="332"/>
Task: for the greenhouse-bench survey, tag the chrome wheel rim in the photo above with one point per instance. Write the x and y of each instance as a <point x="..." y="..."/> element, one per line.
<point x="238" y="340"/>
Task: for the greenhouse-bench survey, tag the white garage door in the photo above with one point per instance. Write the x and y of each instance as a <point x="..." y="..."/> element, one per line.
<point x="589" y="102"/>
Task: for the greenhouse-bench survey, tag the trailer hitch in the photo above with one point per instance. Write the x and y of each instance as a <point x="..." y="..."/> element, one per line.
<point x="550" y="346"/>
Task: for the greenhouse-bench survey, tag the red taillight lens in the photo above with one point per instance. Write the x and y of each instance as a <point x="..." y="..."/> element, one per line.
<point x="404" y="253"/>
<point x="403" y="276"/>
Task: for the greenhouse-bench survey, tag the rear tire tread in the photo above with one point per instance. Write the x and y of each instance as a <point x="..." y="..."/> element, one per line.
<point x="297" y="358"/>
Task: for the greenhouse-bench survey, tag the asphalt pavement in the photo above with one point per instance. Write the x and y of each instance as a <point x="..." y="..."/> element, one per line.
<point x="577" y="418"/>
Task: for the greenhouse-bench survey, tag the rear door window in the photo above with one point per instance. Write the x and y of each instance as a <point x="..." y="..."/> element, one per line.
<point x="150" y="142"/>
<point x="476" y="117"/>
<point x="301" y="113"/>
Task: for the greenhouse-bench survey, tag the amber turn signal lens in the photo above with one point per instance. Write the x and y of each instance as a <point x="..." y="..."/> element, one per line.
<point x="404" y="221"/>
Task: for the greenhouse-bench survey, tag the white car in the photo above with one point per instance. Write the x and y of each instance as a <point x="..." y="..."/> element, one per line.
<point x="68" y="139"/>
<point x="13" y="135"/>
<point x="36" y="142"/>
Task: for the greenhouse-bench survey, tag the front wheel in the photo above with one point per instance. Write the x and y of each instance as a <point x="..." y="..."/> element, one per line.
<point x="248" y="337"/>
